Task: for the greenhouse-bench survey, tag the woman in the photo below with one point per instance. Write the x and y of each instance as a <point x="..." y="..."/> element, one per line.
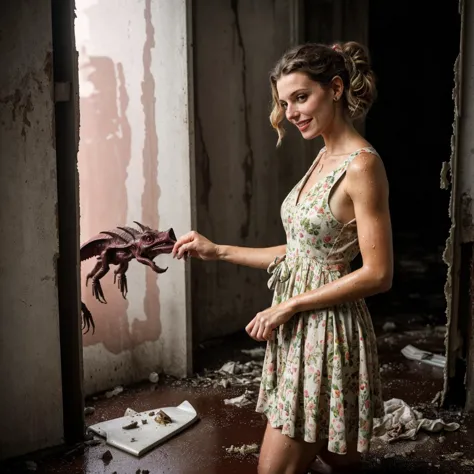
<point x="320" y="386"/>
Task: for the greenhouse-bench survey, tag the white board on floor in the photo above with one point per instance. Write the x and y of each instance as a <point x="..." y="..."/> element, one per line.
<point x="148" y="434"/>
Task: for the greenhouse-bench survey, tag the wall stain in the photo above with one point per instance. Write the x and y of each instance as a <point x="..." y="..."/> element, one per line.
<point x="467" y="223"/>
<point x="21" y="105"/>
<point x="26" y="109"/>
<point x="48" y="66"/>
<point x="151" y="329"/>
<point x="204" y="166"/>
<point x="248" y="163"/>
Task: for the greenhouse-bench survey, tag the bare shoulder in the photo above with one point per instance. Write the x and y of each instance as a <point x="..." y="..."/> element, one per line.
<point x="366" y="168"/>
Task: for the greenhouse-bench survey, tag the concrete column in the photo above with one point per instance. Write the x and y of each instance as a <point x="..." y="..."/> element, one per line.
<point x="135" y="164"/>
<point x="31" y="408"/>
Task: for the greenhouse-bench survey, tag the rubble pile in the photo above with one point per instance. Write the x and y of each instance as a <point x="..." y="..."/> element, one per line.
<point x="231" y="374"/>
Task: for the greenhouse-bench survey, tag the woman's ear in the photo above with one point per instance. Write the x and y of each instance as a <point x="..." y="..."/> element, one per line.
<point x="337" y="87"/>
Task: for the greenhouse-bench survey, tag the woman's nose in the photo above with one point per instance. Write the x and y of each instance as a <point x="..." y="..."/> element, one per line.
<point x="291" y="112"/>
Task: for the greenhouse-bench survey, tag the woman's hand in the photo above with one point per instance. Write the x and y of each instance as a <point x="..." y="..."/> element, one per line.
<point x="195" y="245"/>
<point x="261" y="327"/>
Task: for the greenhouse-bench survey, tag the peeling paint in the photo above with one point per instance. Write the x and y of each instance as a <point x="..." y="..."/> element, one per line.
<point x="449" y="256"/>
<point x="151" y="329"/>
<point x="444" y="180"/>
<point x="248" y="163"/>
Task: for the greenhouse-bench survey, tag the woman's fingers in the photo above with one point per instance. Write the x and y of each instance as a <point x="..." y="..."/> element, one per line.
<point x="261" y="330"/>
<point x="182" y="241"/>
<point x="250" y="326"/>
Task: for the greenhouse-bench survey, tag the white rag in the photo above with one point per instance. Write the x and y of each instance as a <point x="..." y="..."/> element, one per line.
<point x="402" y="422"/>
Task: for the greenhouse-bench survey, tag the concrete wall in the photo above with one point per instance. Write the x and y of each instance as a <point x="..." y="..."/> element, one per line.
<point x="134" y="164"/>
<point x="31" y="409"/>
<point x="241" y="177"/>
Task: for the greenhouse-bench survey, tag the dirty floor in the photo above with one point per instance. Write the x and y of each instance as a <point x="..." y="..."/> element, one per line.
<point x="201" y="449"/>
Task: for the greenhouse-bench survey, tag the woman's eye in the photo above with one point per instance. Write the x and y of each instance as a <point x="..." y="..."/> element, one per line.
<point x="284" y="106"/>
<point x="301" y="98"/>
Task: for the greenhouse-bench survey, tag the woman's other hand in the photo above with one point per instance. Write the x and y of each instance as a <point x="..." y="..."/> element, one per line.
<point x="261" y="327"/>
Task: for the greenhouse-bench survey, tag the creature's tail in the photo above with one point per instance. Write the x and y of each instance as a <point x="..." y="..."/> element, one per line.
<point x="87" y="319"/>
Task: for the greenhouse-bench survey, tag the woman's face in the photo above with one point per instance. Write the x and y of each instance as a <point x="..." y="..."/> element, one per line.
<point x="308" y="105"/>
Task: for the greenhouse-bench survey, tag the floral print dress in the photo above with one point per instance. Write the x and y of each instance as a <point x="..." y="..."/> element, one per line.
<point x="321" y="375"/>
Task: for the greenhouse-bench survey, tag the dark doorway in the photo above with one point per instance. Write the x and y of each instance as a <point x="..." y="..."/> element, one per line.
<point x="414" y="49"/>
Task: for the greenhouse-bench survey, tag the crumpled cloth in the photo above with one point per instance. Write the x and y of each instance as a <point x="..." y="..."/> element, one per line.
<point x="402" y="422"/>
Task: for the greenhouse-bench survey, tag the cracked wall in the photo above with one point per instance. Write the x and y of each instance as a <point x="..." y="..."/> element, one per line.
<point x="31" y="408"/>
<point x="241" y="178"/>
<point x="134" y="165"/>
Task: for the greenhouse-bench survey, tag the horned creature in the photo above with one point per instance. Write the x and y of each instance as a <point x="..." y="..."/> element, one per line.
<point x="118" y="247"/>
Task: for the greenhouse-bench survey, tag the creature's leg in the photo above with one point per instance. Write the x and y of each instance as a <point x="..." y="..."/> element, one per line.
<point x="96" y="268"/>
<point x="151" y="264"/>
<point x="96" y="286"/>
<point x="87" y="320"/>
<point x="121" y="278"/>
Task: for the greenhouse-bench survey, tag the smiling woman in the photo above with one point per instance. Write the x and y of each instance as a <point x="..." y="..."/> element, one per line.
<point x="344" y="69"/>
<point x="320" y="388"/>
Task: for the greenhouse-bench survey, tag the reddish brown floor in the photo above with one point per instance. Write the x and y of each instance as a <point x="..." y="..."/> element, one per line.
<point x="200" y="449"/>
<point x="416" y="305"/>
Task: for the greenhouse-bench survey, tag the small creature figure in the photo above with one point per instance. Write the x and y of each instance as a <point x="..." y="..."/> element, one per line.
<point x="118" y="247"/>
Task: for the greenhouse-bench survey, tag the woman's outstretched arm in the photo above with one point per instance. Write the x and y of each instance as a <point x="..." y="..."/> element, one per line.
<point x="196" y="245"/>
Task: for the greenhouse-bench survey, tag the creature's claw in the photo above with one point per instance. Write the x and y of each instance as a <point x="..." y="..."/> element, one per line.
<point x="122" y="285"/>
<point x="120" y="279"/>
<point x="87" y="319"/>
<point x="160" y="270"/>
<point x="97" y="291"/>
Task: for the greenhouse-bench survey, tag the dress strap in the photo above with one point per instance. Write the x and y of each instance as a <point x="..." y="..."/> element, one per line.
<point x="343" y="168"/>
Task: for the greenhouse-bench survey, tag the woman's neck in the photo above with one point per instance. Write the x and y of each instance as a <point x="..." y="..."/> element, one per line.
<point x="342" y="138"/>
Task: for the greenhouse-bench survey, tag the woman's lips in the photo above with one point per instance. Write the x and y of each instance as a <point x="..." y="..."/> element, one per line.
<point x="303" y="125"/>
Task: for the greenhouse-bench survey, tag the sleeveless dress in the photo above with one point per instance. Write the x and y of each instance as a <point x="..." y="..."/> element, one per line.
<point x="320" y="377"/>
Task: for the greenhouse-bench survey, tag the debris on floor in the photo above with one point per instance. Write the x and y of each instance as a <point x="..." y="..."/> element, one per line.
<point x="154" y="377"/>
<point x="112" y="393"/>
<point x="412" y="353"/>
<point x="389" y="327"/>
<point x="31" y="466"/>
<point x="244" y="449"/>
<point x="162" y="418"/>
<point x="107" y="457"/>
<point x="231" y="374"/>
<point x="256" y="353"/>
<point x="168" y="422"/>
<point x="246" y="398"/>
<point x="403" y="423"/>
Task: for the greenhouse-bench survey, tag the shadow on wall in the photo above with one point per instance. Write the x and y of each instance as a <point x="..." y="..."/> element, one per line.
<point x="104" y="156"/>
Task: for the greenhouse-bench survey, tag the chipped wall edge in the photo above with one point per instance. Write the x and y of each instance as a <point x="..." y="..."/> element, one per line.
<point x="451" y="254"/>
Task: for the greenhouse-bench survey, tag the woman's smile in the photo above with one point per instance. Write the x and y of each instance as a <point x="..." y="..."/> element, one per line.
<point x="303" y="124"/>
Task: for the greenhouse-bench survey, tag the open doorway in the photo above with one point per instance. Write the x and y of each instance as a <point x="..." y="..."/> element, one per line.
<point x="413" y="53"/>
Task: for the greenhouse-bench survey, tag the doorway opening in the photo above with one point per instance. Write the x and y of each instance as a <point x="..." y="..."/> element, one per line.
<point x="410" y="125"/>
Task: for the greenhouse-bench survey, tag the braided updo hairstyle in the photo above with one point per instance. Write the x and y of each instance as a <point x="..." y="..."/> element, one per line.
<point x="350" y="61"/>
